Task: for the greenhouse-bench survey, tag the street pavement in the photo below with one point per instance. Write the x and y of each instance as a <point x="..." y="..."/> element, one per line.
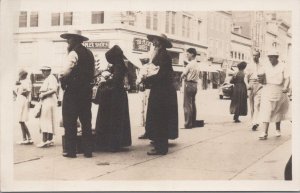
<point x="221" y="150"/>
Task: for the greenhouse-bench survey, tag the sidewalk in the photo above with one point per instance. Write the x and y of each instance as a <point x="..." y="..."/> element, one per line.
<point x="222" y="150"/>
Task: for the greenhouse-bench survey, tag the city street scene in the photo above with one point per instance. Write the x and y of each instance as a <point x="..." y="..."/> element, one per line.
<point x="152" y="95"/>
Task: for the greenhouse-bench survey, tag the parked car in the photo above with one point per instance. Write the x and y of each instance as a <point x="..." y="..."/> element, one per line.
<point x="225" y="90"/>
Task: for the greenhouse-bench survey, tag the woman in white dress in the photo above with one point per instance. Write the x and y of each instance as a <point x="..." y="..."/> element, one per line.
<point x="48" y="98"/>
<point x="22" y="93"/>
<point x="274" y="100"/>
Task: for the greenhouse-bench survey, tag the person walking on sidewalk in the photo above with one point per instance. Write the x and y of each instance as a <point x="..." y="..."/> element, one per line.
<point x="48" y="98"/>
<point x="238" y="105"/>
<point x="162" y="112"/>
<point x="274" y="99"/>
<point x="113" y="130"/>
<point x="254" y="89"/>
<point x="190" y="76"/>
<point x="76" y="82"/>
<point x="22" y="93"/>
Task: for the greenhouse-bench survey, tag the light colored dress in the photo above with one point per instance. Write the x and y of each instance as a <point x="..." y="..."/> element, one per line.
<point x="48" y="119"/>
<point x="274" y="103"/>
<point x="22" y="102"/>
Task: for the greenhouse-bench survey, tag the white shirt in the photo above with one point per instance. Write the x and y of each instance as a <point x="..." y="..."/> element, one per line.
<point x="191" y="71"/>
<point x="70" y="63"/>
<point x="275" y="74"/>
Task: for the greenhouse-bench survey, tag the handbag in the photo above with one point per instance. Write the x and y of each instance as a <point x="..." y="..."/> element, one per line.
<point x="37" y="110"/>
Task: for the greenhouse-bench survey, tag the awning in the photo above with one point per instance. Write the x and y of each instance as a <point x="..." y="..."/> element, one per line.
<point x="208" y="66"/>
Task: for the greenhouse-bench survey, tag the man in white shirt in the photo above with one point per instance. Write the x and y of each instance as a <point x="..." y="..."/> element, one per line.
<point x="76" y="82"/>
<point x="254" y="89"/>
<point x="191" y="77"/>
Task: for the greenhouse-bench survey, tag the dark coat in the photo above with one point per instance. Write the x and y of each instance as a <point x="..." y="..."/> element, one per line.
<point x="113" y="123"/>
<point x="162" y="111"/>
<point x="238" y="105"/>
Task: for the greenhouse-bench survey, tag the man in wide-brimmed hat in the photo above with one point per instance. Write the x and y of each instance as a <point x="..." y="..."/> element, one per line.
<point x="162" y="111"/>
<point x="76" y="81"/>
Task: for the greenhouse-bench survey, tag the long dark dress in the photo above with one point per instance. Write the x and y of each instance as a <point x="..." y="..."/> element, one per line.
<point x="238" y="105"/>
<point x="113" y="123"/>
<point x="162" y="112"/>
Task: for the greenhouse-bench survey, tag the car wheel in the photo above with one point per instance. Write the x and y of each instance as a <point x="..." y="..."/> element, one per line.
<point x="221" y="96"/>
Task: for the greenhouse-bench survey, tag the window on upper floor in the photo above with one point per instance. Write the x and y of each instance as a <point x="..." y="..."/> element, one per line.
<point x="34" y="19"/>
<point x="239" y="56"/>
<point x="188" y="30"/>
<point x="199" y="30"/>
<point x="23" y="19"/>
<point x="167" y="21"/>
<point x="173" y="23"/>
<point x="155" y="20"/>
<point x="55" y="19"/>
<point x="68" y="18"/>
<point x="148" y="20"/>
<point x="231" y="54"/>
<point x="98" y="17"/>
<point x="235" y="55"/>
<point x="242" y="56"/>
<point x="183" y="25"/>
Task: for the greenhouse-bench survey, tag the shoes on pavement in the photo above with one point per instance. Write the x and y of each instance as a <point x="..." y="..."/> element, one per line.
<point x="237" y="121"/>
<point x="42" y="144"/>
<point x="263" y="136"/>
<point x="277" y="133"/>
<point x="50" y="143"/>
<point x="88" y="155"/>
<point x="24" y="142"/>
<point x="144" y="136"/>
<point x="69" y="155"/>
<point x="155" y="152"/>
<point x="254" y="127"/>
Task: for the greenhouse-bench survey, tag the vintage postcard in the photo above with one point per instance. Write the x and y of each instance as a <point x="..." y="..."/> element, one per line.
<point x="149" y="95"/>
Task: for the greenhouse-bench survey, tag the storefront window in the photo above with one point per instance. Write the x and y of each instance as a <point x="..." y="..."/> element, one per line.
<point x="55" y="19"/>
<point x="68" y="18"/>
<point x="23" y="19"/>
<point x="97" y="17"/>
<point x="34" y="19"/>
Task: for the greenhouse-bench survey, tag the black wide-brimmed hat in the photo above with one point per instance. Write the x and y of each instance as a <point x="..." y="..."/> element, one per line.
<point x="113" y="53"/>
<point x="74" y="34"/>
<point x="242" y="65"/>
<point x="163" y="38"/>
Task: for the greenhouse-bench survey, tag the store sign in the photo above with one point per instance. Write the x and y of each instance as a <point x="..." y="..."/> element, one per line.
<point x="97" y="45"/>
<point x="141" y="45"/>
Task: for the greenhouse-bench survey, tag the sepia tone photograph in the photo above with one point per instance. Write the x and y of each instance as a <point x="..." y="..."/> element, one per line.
<point x="151" y="97"/>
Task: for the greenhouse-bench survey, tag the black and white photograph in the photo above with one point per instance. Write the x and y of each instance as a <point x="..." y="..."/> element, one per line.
<point x="149" y="95"/>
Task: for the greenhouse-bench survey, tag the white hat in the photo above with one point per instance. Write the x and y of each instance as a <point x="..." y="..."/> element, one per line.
<point x="74" y="34"/>
<point x="273" y="53"/>
<point x="45" y="68"/>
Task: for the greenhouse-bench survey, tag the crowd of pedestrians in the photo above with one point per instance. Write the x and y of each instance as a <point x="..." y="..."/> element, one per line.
<point x="265" y="84"/>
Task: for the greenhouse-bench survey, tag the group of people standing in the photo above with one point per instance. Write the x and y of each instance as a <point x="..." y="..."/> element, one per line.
<point x="268" y="84"/>
<point x="113" y="124"/>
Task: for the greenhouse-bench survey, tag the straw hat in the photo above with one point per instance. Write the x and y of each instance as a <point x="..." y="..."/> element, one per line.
<point x="163" y="38"/>
<point x="74" y="34"/>
<point x="45" y="68"/>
